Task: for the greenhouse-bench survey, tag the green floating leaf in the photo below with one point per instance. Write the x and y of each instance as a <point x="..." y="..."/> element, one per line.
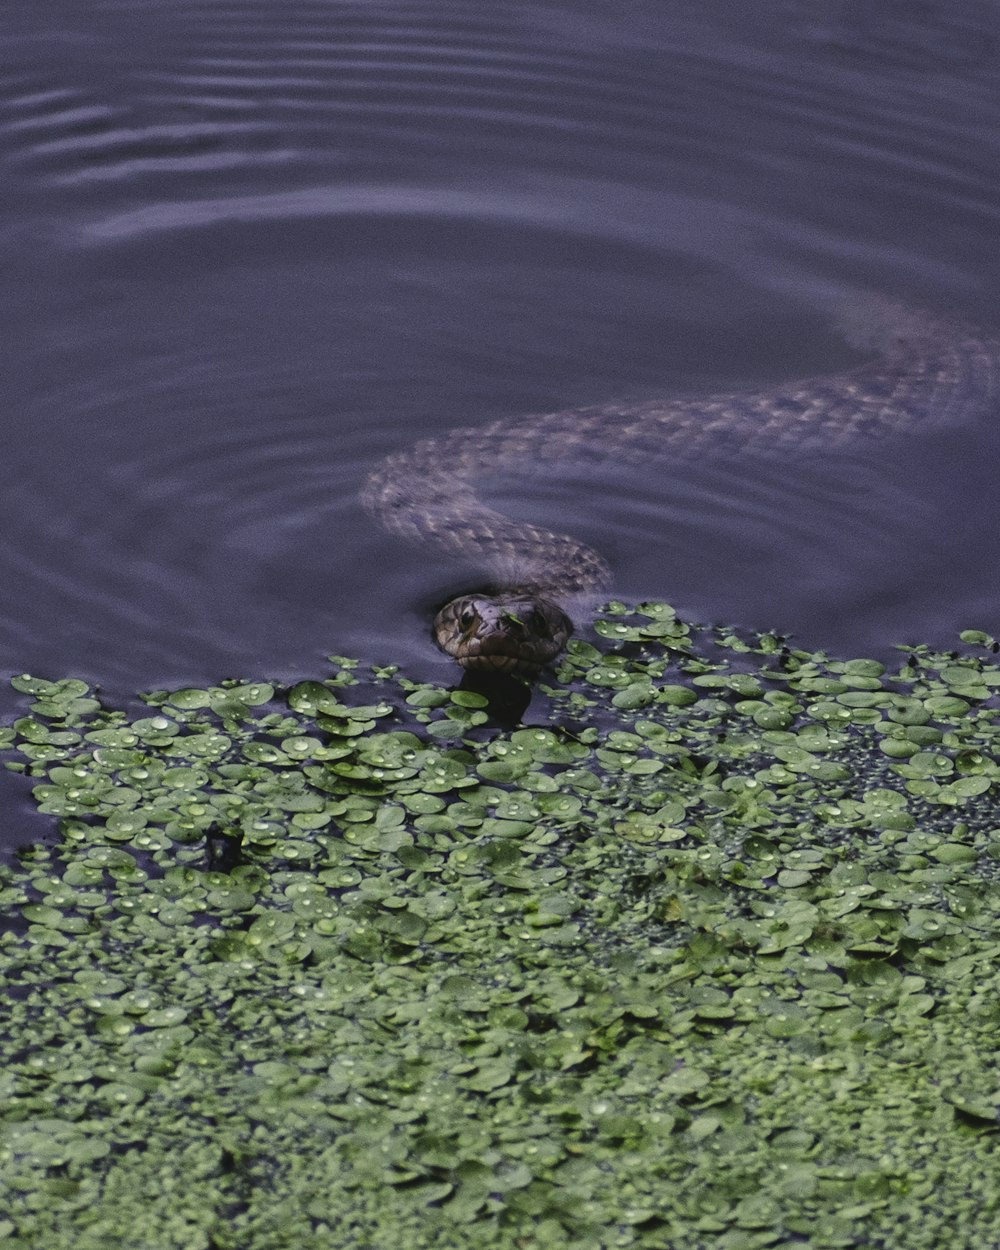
<point x="189" y="699"/>
<point x="283" y="959"/>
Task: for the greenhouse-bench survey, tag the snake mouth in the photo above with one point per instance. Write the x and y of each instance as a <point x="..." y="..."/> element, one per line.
<point x="497" y="663"/>
<point x="499" y="653"/>
<point x="516" y="633"/>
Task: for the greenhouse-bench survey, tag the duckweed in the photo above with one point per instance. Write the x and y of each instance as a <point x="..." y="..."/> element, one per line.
<point x="704" y="956"/>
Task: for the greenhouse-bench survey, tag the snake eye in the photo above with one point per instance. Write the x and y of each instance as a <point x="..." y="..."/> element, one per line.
<point x="467" y="619"/>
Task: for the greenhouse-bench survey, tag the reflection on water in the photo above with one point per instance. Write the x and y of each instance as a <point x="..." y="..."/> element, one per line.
<point x="252" y="247"/>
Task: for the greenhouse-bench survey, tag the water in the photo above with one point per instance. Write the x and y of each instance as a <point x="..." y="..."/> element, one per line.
<point x="248" y="248"/>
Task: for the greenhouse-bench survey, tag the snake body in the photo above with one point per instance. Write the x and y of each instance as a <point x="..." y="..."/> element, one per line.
<point x="926" y="370"/>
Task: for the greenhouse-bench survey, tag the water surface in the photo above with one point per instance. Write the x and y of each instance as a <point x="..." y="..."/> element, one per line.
<point x="249" y="248"/>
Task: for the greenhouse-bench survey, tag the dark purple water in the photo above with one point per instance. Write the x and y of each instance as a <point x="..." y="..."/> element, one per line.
<point x="248" y="248"/>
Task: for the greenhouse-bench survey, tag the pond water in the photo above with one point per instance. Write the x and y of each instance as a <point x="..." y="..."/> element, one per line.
<point x="251" y="247"/>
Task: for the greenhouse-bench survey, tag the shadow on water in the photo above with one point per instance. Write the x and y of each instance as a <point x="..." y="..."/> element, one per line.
<point x="508" y="697"/>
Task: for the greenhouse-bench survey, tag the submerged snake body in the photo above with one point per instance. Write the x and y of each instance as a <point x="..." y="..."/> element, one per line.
<point x="929" y="371"/>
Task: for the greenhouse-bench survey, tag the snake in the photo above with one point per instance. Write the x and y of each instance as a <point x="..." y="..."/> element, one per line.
<point x="922" y="370"/>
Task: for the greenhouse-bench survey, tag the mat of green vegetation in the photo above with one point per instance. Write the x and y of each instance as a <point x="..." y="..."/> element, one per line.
<point x="704" y="956"/>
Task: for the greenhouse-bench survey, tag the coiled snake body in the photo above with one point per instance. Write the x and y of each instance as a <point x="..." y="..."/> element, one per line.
<point x="928" y="369"/>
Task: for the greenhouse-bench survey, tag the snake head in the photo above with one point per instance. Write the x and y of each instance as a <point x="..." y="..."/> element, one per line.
<point x="514" y="633"/>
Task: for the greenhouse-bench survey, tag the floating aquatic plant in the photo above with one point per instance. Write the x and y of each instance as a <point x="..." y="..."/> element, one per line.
<point x="703" y="956"/>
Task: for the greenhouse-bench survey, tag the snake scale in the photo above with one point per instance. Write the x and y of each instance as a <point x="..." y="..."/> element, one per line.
<point x="926" y="369"/>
